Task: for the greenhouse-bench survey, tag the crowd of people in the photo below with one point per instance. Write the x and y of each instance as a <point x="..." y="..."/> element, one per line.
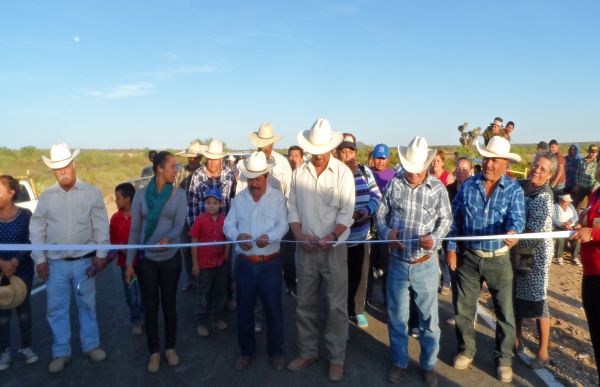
<point x="303" y="223"/>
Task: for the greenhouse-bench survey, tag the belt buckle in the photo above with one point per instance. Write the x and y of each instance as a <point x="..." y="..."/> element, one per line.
<point x="261" y="258"/>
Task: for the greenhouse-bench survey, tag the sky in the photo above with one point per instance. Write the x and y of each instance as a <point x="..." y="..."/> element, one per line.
<point x="158" y="74"/>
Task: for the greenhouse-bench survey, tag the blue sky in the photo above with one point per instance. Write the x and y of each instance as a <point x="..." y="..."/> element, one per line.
<point x="120" y="74"/>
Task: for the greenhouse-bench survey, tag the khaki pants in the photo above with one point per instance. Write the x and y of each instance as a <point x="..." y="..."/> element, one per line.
<point x="322" y="272"/>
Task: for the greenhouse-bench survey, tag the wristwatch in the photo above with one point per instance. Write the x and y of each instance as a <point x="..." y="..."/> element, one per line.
<point x="335" y="236"/>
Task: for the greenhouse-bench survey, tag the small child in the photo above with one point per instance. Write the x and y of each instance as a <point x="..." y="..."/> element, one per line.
<point x="208" y="263"/>
<point x="120" y="224"/>
<point x="565" y="218"/>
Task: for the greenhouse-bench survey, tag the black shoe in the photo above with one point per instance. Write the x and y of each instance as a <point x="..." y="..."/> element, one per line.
<point x="242" y="363"/>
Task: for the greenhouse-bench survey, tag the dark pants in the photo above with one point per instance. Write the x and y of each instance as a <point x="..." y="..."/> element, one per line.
<point x="212" y="294"/>
<point x="186" y="253"/>
<point x="288" y="259"/>
<point x="379" y="258"/>
<point x="590" y="288"/>
<point x="263" y="280"/>
<point x="159" y="286"/>
<point x="357" y="278"/>
<point x="497" y="272"/>
<point x="560" y="246"/>
<point x="133" y="298"/>
<point x="24" y="318"/>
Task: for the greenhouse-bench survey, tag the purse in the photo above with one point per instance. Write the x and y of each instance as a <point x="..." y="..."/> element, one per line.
<point x="522" y="259"/>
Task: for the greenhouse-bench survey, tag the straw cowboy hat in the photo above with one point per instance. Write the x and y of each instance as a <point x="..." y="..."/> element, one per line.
<point x="416" y="157"/>
<point x="567" y="198"/>
<point x="13" y="294"/>
<point x="498" y="148"/>
<point x="194" y="150"/>
<point x="256" y="165"/>
<point x="264" y="136"/>
<point x="214" y="150"/>
<point x="320" y="139"/>
<point x="60" y="156"/>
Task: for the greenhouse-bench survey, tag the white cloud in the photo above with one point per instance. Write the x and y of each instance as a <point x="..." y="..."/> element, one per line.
<point x="124" y="91"/>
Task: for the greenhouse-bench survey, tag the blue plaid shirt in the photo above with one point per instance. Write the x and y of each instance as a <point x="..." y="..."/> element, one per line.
<point x="475" y="214"/>
<point x="201" y="183"/>
<point x="414" y="212"/>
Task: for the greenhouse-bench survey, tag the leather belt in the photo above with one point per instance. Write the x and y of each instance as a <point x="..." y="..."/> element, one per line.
<point x="88" y="255"/>
<point x="490" y="254"/>
<point x="420" y="260"/>
<point x="260" y="258"/>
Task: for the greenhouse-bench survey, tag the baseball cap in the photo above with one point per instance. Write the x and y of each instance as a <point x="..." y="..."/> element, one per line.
<point x="349" y="141"/>
<point x="215" y="193"/>
<point x="593" y="148"/>
<point x="381" y="151"/>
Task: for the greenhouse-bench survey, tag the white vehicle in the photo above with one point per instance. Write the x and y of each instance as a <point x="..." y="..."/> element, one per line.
<point x="27" y="196"/>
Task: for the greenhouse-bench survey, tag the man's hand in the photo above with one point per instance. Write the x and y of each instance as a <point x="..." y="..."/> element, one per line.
<point x="392" y="236"/>
<point x="510" y="242"/>
<point x="195" y="270"/>
<point x="584" y="235"/>
<point x="100" y="263"/>
<point x="426" y="242"/>
<point x="325" y="242"/>
<point x="42" y="270"/>
<point x="451" y="260"/>
<point x="164" y="241"/>
<point x="308" y="242"/>
<point x="360" y="216"/>
<point x="245" y="245"/>
<point x="129" y="274"/>
<point x="262" y="241"/>
<point x="8" y="268"/>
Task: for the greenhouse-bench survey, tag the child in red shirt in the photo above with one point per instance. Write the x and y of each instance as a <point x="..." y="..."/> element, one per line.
<point x="120" y="224"/>
<point x="208" y="263"/>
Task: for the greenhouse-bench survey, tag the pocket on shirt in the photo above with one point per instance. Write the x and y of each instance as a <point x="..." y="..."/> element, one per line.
<point x="331" y="197"/>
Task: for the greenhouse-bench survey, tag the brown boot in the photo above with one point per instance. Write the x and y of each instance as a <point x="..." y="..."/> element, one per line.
<point x="396" y="374"/>
<point x="429" y="377"/>
<point x="336" y="372"/>
<point x="242" y="363"/>
<point x="300" y="363"/>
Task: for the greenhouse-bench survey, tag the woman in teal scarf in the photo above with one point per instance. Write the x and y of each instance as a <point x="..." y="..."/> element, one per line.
<point x="157" y="217"/>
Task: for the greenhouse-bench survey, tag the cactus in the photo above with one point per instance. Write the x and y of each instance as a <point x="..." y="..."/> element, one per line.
<point x="468" y="137"/>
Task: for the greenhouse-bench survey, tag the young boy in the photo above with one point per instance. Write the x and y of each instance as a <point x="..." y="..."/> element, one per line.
<point x="120" y="224"/>
<point x="208" y="263"/>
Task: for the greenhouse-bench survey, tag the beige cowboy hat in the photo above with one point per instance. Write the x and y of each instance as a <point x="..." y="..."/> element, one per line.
<point x="567" y="198"/>
<point x="498" y="148"/>
<point x="416" y="157"/>
<point x="214" y="150"/>
<point x="320" y="139"/>
<point x="194" y="150"/>
<point x="60" y="156"/>
<point x="256" y="165"/>
<point x="13" y="294"/>
<point x="264" y="136"/>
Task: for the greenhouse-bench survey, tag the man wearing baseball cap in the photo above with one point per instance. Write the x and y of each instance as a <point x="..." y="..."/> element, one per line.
<point x="585" y="178"/>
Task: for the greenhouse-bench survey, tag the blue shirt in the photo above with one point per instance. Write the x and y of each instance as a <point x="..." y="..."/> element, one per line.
<point x="16" y="231"/>
<point x="475" y="214"/>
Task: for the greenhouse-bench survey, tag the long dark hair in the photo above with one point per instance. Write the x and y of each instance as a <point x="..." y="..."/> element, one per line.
<point x="11" y="184"/>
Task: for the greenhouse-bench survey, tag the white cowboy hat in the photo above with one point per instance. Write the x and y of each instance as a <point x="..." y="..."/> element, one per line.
<point x="416" y="157"/>
<point x="256" y="165"/>
<point x="60" y="156"/>
<point x="194" y="150"/>
<point x="13" y="294"/>
<point x="320" y="139"/>
<point x="566" y="198"/>
<point x="498" y="148"/>
<point x="264" y="136"/>
<point x="214" y="150"/>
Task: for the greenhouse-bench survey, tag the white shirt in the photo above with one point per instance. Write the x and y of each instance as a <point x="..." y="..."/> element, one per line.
<point x="321" y="202"/>
<point x="280" y="176"/>
<point x="267" y="216"/>
<point x="76" y="216"/>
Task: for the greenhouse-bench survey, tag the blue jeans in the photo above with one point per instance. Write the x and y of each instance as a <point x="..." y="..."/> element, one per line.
<point x="133" y="298"/>
<point x="422" y="278"/>
<point x="63" y="278"/>
<point x="263" y="280"/>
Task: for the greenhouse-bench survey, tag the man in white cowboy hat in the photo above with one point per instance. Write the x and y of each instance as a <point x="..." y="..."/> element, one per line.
<point x="415" y="209"/>
<point x="321" y="206"/>
<point x="489" y="203"/>
<point x="258" y="213"/>
<point x="69" y="212"/>
<point x="194" y="155"/>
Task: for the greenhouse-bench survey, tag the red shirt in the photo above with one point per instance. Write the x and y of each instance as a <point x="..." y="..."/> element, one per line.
<point x="590" y="251"/>
<point x="119" y="233"/>
<point x="205" y="229"/>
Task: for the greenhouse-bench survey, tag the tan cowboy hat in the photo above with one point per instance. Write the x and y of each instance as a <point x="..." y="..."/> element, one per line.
<point x="264" y="136"/>
<point x="60" y="156"/>
<point x="194" y="150"/>
<point x="416" y="157"/>
<point x="13" y="294"/>
<point x="214" y="150"/>
<point x="567" y="198"/>
<point x="320" y="139"/>
<point x="256" y="165"/>
<point x="498" y="148"/>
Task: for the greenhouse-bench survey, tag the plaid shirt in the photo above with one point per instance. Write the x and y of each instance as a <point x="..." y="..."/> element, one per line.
<point x="202" y="183"/>
<point x="475" y="214"/>
<point x="414" y="212"/>
<point x="586" y="173"/>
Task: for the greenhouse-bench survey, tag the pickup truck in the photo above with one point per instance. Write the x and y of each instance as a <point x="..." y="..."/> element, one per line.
<point x="27" y="196"/>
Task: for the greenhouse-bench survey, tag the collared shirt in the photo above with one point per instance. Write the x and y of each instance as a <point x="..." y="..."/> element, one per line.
<point x="586" y="173"/>
<point x="76" y="216"/>
<point x="319" y="202"/>
<point x="414" y="212"/>
<point x="367" y="198"/>
<point x="207" y="229"/>
<point x="119" y="233"/>
<point x="202" y="183"/>
<point x="475" y="214"/>
<point x="280" y="176"/>
<point x="267" y="216"/>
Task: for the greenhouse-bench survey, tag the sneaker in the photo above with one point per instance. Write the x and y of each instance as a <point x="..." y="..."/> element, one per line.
<point x="361" y="321"/>
<point x="220" y="325"/>
<point x="462" y="362"/>
<point x="202" y="330"/>
<point x="415" y="332"/>
<point x="5" y="360"/>
<point x="58" y="364"/>
<point x="258" y="327"/>
<point x="154" y="363"/>
<point x="576" y="262"/>
<point x="96" y="355"/>
<point x="28" y="355"/>
<point x="505" y="374"/>
<point x="559" y="261"/>
<point x="172" y="357"/>
<point x="136" y="329"/>
<point x="380" y="273"/>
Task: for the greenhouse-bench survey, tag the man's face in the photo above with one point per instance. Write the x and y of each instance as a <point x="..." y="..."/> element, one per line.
<point x="592" y="154"/>
<point x="66" y="176"/>
<point x="509" y="128"/>
<point x="295" y="158"/>
<point x="463" y="170"/>
<point x="572" y="151"/>
<point x="212" y="205"/>
<point x="496" y="126"/>
<point x="258" y="185"/>
<point x="320" y="161"/>
<point x="214" y="165"/>
<point x="194" y="162"/>
<point x="554" y="148"/>
<point x="416" y="179"/>
<point x="122" y="202"/>
<point x="347" y="156"/>
<point x="380" y="163"/>
<point x="494" y="168"/>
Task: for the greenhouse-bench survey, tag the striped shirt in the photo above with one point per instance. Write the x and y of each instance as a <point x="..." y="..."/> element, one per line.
<point x="475" y="214"/>
<point x="414" y="212"/>
<point x="201" y="183"/>
<point x="367" y="197"/>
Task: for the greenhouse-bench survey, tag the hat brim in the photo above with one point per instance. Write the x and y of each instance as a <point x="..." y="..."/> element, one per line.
<point x="186" y="154"/>
<point x="307" y="146"/>
<point x="260" y="142"/>
<point x="252" y="174"/>
<point x="61" y="163"/>
<point x="412" y="167"/>
<point x="214" y="156"/>
<point x="509" y="156"/>
<point x="18" y="294"/>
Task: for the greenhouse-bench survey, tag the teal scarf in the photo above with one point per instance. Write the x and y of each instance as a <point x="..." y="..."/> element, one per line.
<point x="155" y="201"/>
